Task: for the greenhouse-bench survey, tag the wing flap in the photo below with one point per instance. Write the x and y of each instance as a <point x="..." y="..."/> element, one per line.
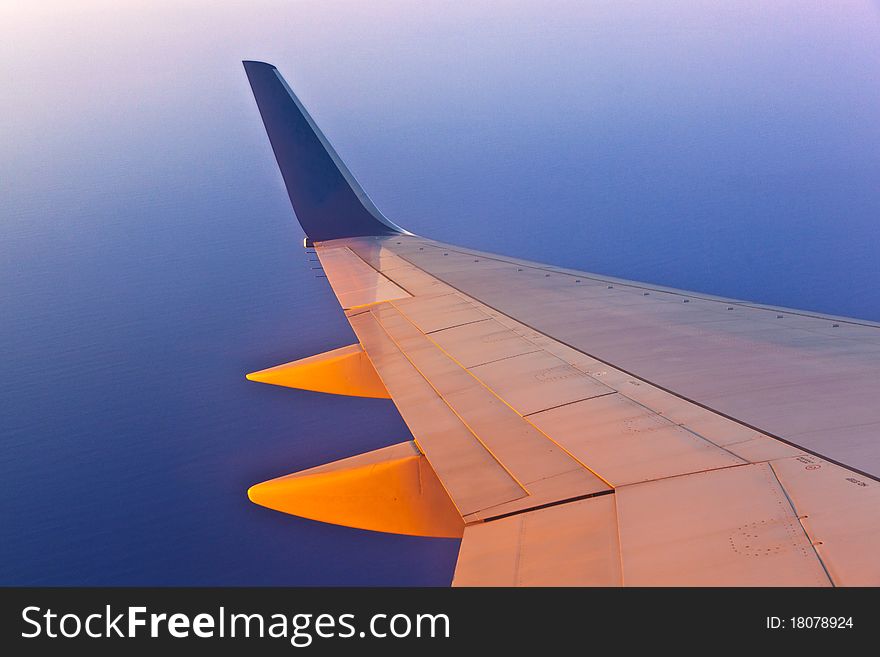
<point x="838" y="510"/>
<point x="626" y="443"/>
<point x="473" y="478"/>
<point x="355" y="283"/>
<point x="437" y="312"/>
<point x="728" y="527"/>
<point x="537" y="381"/>
<point x="569" y="545"/>
<point x="526" y="453"/>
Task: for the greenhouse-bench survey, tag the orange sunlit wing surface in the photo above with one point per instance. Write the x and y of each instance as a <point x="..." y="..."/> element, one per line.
<point x="343" y="371"/>
<point x="577" y="429"/>
<point x="389" y="490"/>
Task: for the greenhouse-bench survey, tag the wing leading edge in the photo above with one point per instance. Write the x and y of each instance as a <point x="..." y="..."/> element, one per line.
<point x="586" y="431"/>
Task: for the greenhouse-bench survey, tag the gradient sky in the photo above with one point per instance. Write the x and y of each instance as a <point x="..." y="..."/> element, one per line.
<point x="620" y="117"/>
<point x="148" y="255"/>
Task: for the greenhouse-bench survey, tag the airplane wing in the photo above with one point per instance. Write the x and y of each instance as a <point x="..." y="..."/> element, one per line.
<point x="576" y="429"/>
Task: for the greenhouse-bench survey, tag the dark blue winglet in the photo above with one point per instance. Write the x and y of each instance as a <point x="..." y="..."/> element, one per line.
<point x="328" y="202"/>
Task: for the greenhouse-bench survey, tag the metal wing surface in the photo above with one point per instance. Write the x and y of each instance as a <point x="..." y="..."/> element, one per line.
<point x="575" y="429"/>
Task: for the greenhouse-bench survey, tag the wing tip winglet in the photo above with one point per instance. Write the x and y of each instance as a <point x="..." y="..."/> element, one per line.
<point x="328" y="201"/>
